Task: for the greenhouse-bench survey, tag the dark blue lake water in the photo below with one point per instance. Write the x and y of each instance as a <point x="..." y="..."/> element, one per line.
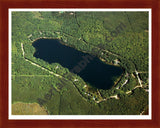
<point x="91" y="69"/>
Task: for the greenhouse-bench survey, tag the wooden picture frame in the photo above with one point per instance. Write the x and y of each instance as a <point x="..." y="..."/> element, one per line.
<point x="4" y="28"/>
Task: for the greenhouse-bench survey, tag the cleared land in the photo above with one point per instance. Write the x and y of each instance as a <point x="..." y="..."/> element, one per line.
<point x="28" y="109"/>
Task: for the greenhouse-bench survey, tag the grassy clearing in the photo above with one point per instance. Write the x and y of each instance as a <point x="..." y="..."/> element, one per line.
<point x="28" y="109"/>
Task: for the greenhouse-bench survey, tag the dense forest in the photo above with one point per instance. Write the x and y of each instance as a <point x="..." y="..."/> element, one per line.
<point x="111" y="36"/>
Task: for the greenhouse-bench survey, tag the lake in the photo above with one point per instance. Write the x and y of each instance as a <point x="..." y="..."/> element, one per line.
<point x="90" y="68"/>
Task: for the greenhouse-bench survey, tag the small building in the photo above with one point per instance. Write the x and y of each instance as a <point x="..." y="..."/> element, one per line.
<point x="117" y="87"/>
<point x="57" y="67"/>
<point x="71" y="13"/>
<point x="75" y="79"/>
<point x="85" y="86"/>
<point x="116" y="61"/>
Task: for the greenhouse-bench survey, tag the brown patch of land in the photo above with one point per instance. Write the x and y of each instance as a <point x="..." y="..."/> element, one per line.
<point x="28" y="109"/>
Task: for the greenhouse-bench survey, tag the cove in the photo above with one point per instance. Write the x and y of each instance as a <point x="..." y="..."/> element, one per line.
<point x="90" y="68"/>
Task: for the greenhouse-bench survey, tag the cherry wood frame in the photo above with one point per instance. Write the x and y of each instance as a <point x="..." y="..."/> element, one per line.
<point x="6" y="4"/>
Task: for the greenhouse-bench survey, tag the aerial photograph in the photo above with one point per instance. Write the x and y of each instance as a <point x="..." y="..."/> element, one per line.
<point x="80" y="62"/>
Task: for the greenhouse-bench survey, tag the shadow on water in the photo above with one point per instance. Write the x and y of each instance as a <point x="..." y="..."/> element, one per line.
<point x="91" y="69"/>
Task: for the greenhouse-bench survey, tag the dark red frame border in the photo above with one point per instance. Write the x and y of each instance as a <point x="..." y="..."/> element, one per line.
<point x="6" y="4"/>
